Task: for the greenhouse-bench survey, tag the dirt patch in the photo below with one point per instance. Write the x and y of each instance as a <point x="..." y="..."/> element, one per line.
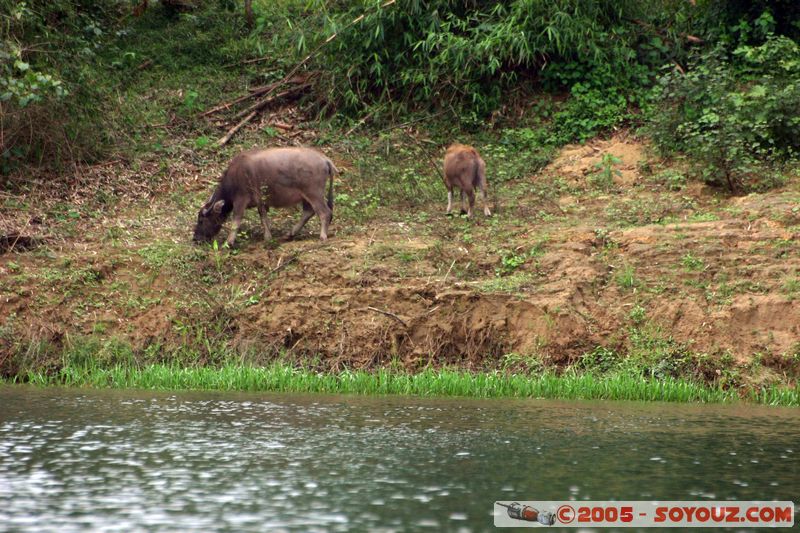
<point x="577" y="161"/>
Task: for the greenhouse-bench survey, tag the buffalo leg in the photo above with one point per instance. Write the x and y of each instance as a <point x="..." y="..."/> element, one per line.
<point x="238" y="215"/>
<point x="262" y="212"/>
<point x="463" y="202"/>
<point x="485" y="202"/>
<point x="325" y="214"/>
<point x="308" y="212"/>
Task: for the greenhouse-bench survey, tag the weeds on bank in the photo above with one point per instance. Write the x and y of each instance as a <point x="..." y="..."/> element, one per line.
<point x="654" y="368"/>
<point x="280" y="377"/>
<point x="626" y="277"/>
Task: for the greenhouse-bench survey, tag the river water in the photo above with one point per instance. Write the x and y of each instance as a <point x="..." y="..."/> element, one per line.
<point x="130" y="461"/>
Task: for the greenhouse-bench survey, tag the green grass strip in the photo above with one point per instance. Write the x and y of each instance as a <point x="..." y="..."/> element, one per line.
<point x="285" y="378"/>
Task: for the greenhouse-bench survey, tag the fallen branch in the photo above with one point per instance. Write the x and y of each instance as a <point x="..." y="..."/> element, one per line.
<point x="227" y="105"/>
<point x="289" y="76"/>
<point x="254" y="110"/>
<point x="448" y="271"/>
<point x="264" y="102"/>
<point x="283" y="265"/>
<point x="360" y="123"/>
<point x="17" y="241"/>
<point x="254" y="92"/>
<point x="237" y="127"/>
<point x="390" y="315"/>
<point x="372" y="237"/>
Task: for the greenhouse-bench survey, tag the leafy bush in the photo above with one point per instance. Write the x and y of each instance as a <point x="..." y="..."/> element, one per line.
<point x="79" y="78"/>
<point x="737" y="115"/>
<point x="601" y="95"/>
<point x="468" y="54"/>
<point x="44" y="116"/>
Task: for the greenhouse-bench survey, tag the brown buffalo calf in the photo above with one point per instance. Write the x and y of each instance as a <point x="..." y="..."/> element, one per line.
<point x="464" y="168"/>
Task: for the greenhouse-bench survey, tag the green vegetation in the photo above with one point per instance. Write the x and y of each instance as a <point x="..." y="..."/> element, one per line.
<point x="626" y="277"/>
<point x="284" y="378"/>
<point x="692" y="263"/>
<point x="603" y="177"/>
<point x="724" y="77"/>
<point x="734" y="113"/>
<point x="653" y="367"/>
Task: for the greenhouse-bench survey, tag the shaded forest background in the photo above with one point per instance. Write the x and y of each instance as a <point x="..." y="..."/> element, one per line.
<point x="716" y="80"/>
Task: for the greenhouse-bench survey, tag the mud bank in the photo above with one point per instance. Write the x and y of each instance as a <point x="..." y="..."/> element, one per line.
<point x="648" y="272"/>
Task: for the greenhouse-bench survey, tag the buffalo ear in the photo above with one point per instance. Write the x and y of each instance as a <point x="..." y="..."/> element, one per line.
<point x="217" y="207"/>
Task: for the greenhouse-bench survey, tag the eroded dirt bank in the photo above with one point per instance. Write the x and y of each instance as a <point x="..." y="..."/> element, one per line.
<point x="673" y="276"/>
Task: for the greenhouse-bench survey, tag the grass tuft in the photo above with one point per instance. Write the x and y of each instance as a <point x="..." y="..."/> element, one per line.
<point x="281" y="377"/>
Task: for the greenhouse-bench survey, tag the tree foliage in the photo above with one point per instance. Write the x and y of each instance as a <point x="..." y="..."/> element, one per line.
<point x="470" y="54"/>
<point x="725" y="67"/>
<point x="737" y="114"/>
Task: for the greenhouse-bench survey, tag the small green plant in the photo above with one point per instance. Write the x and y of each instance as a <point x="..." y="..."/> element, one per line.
<point x="791" y="287"/>
<point x="407" y="256"/>
<point x="190" y="101"/>
<point x="603" y="176"/>
<point x="692" y="263"/>
<point x="603" y="237"/>
<point x="217" y="256"/>
<point x="638" y="315"/>
<point x="626" y="277"/>
<point x="509" y="263"/>
<point x="202" y="142"/>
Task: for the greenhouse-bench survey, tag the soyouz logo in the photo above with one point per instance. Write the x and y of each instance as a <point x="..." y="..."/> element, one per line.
<point x="643" y="514"/>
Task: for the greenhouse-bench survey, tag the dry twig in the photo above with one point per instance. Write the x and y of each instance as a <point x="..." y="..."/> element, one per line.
<point x="390" y="315"/>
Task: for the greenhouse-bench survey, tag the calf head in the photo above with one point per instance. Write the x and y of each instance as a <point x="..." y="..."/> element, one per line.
<point x="209" y="220"/>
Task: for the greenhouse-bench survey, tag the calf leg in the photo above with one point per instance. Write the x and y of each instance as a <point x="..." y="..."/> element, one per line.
<point x="485" y="202"/>
<point x="308" y="212"/>
<point x="449" y="200"/>
<point x="262" y="212"/>
<point x="471" y="196"/>
<point x="238" y="215"/>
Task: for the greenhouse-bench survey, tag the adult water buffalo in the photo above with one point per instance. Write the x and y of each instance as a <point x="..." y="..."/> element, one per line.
<point x="464" y="168"/>
<point x="276" y="177"/>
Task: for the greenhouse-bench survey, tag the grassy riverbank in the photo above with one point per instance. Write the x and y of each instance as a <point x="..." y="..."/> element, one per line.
<point x="612" y="268"/>
<point x="281" y="377"/>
